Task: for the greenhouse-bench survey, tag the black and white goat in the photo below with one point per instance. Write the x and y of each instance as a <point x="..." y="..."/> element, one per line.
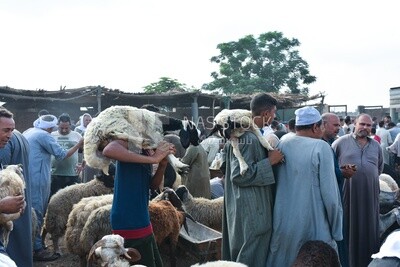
<point x="141" y="128"/>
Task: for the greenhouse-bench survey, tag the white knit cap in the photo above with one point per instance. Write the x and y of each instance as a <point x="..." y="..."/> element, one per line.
<point x="307" y="116"/>
<point x="390" y="248"/>
<point x="45" y="124"/>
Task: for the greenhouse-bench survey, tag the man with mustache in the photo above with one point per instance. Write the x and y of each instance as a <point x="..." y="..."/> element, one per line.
<point x="361" y="192"/>
<point x="330" y="133"/>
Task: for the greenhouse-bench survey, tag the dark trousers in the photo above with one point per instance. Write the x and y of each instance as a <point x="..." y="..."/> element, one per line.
<point x="148" y="249"/>
<point x="59" y="182"/>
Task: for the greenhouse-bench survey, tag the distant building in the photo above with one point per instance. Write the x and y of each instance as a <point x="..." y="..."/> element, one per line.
<point x="194" y="105"/>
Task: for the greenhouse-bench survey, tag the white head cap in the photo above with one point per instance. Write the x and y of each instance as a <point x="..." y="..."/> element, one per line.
<point x="307" y="116"/>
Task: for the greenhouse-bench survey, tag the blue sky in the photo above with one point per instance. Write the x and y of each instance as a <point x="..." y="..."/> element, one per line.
<point x="352" y="47"/>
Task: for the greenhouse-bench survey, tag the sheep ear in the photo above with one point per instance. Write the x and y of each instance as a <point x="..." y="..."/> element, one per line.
<point x="133" y="255"/>
<point x="105" y="170"/>
<point x="216" y="128"/>
<point x="185" y="138"/>
<point x="92" y="253"/>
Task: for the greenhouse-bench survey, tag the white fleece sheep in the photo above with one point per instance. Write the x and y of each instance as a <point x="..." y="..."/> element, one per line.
<point x="233" y="123"/>
<point x="110" y="251"/>
<point x="11" y="184"/>
<point x="141" y="128"/>
<point x="391" y="183"/>
<point x="205" y="211"/>
<point x="61" y="203"/>
<point x="383" y="186"/>
<point x="77" y="219"/>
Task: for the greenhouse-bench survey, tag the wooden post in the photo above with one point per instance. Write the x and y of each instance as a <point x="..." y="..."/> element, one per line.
<point x="98" y="100"/>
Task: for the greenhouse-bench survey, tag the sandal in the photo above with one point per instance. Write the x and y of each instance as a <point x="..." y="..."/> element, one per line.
<point x="45" y="255"/>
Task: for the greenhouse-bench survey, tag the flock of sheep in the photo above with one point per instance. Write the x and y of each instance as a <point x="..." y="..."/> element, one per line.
<point x="81" y="213"/>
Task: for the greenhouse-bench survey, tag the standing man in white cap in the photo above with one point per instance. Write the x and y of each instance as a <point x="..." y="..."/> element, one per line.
<point x="42" y="145"/>
<point x="307" y="202"/>
<point x="361" y="192"/>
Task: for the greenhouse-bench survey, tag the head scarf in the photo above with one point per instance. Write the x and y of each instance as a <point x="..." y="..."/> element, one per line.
<point x="45" y="122"/>
<point x="81" y="126"/>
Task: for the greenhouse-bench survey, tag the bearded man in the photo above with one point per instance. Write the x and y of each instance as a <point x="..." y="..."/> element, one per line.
<point x="361" y="192"/>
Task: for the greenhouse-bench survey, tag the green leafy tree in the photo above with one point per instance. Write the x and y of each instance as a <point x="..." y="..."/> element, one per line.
<point x="266" y="64"/>
<point x="165" y="84"/>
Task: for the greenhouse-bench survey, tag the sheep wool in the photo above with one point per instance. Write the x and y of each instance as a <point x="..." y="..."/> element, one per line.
<point x="205" y="211"/>
<point x="111" y="251"/>
<point x="77" y="219"/>
<point x="11" y="184"/>
<point x="392" y="184"/>
<point x="383" y="186"/>
<point x="83" y="233"/>
<point x="141" y="128"/>
<point x="233" y="123"/>
<point x="61" y="203"/>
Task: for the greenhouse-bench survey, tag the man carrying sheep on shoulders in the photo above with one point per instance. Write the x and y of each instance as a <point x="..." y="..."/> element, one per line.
<point x="248" y="198"/>
<point x="133" y="179"/>
<point x="307" y="202"/>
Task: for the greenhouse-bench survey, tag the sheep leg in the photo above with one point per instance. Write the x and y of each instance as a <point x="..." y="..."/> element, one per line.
<point x="242" y="163"/>
<point x="4" y="218"/>
<point x="8" y="227"/>
<point x="262" y="139"/>
<point x="43" y="235"/>
<point x="56" y="245"/>
<point x="176" y="163"/>
<point x="82" y="261"/>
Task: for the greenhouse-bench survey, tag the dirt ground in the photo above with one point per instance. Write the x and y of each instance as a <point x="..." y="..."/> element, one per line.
<point x="184" y="259"/>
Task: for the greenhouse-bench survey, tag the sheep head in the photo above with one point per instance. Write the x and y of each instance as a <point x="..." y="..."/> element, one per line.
<point x="107" y="179"/>
<point x="182" y="192"/>
<point x="170" y="195"/>
<point x="110" y="248"/>
<point x="12" y="181"/>
<point x="229" y="122"/>
<point x="187" y="130"/>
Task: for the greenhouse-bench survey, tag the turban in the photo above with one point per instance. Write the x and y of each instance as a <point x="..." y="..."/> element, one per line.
<point x="50" y="122"/>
